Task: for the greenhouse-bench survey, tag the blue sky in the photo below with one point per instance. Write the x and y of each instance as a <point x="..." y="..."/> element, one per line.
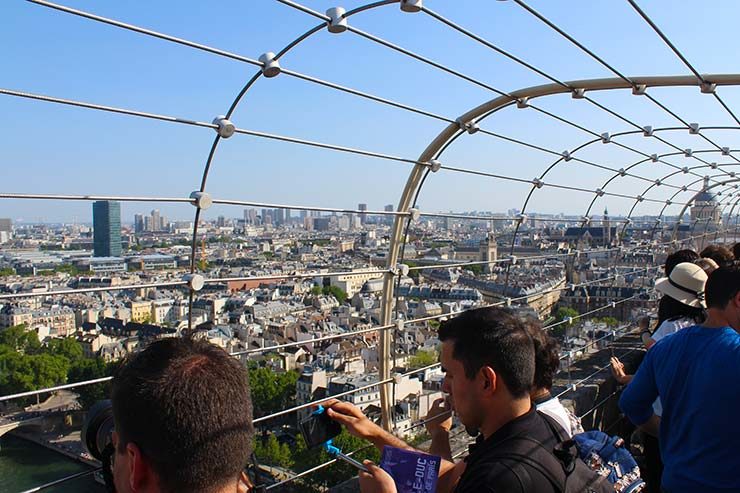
<point x="46" y="148"/>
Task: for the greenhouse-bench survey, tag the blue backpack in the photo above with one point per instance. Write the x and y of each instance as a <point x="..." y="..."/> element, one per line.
<point x="607" y="456"/>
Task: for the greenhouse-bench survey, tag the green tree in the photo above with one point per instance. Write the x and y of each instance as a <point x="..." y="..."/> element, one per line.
<point x="273" y="452"/>
<point x="90" y="369"/>
<point x="337" y="292"/>
<point x="20" y="339"/>
<point x="7" y="271"/>
<point x="337" y="472"/>
<point x="67" y="348"/>
<point x="271" y="391"/>
<point x="565" y="312"/>
<point x="422" y="358"/>
<point x="609" y="321"/>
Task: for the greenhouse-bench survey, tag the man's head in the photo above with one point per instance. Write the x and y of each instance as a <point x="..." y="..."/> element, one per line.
<point x="722" y="255"/>
<point x="488" y="359"/>
<point x="679" y="257"/>
<point x="183" y="419"/>
<point x="723" y="294"/>
<point x="736" y="251"/>
<point x="546" y="356"/>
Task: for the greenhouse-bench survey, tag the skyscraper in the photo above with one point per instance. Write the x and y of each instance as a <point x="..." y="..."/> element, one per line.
<point x="106" y="228"/>
<point x="138" y="223"/>
<point x="156" y="220"/>
<point x="363" y="216"/>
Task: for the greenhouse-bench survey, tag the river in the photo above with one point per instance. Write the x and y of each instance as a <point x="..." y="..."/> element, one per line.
<point x="24" y="465"/>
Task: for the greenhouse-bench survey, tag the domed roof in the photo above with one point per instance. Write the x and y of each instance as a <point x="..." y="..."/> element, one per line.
<point x="704" y="196"/>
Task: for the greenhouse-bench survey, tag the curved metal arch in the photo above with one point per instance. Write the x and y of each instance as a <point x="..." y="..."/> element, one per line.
<point x="687" y="203"/>
<point x="642" y="161"/>
<point x="442" y="142"/>
<point x="237" y="100"/>
<point x="728" y="184"/>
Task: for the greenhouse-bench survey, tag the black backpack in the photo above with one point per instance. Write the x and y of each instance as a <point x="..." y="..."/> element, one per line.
<point x="560" y="464"/>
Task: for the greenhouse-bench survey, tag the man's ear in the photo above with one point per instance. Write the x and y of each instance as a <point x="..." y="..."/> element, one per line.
<point x="490" y="379"/>
<point x="141" y="475"/>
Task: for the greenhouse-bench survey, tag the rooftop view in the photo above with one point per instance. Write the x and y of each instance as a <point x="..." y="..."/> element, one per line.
<point x="320" y="191"/>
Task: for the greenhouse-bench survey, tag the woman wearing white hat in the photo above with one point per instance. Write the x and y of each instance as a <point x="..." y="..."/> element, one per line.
<point x="682" y="306"/>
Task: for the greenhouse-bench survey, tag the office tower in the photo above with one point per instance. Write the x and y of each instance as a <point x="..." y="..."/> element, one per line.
<point x="106" y="228"/>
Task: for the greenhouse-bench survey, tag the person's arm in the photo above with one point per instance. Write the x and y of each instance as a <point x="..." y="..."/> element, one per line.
<point x="438" y="424"/>
<point x="638" y="397"/>
<point x="651" y="426"/>
<point x="618" y="371"/>
<point x="359" y="425"/>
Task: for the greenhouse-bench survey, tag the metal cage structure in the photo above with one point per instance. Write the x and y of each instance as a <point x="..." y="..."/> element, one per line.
<point x="658" y="171"/>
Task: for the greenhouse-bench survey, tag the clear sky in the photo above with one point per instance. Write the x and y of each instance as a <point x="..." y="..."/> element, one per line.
<point x="47" y="148"/>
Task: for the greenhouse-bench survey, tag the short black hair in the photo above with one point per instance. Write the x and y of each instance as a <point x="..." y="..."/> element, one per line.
<point x="494" y="337"/>
<point x="723" y="285"/>
<point x="736" y="250"/>
<point x="546" y="354"/>
<point x="720" y="254"/>
<point x="678" y="257"/>
<point x="185" y="403"/>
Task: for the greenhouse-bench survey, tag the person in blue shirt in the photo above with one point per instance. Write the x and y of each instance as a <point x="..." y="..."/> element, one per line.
<point x="696" y="374"/>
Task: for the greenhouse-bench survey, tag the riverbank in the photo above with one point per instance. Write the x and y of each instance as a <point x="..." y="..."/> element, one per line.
<point x="26" y="464"/>
<point x="68" y="445"/>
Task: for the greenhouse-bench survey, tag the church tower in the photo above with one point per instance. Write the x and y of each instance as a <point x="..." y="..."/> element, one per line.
<point x="607" y="229"/>
<point x="488" y="251"/>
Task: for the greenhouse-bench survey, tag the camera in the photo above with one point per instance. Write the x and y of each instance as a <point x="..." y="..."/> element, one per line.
<point x="97" y="429"/>
<point x="319" y="428"/>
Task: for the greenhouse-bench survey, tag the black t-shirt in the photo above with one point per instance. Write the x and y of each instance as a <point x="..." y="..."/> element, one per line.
<point x="487" y="472"/>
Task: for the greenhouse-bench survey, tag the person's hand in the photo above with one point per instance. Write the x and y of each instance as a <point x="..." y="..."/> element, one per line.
<point x="350" y="416"/>
<point x="439" y="418"/>
<point x="620" y="375"/>
<point x="376" y="480"/>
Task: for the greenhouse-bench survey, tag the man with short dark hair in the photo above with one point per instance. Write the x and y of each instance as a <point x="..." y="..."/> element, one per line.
<point x="183" y="420"/>
<point x="695" y="374"/>
<point x="488" y="360"/>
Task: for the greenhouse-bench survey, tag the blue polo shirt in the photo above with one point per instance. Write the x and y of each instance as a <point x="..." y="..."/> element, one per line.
<point x="696" y="374"/>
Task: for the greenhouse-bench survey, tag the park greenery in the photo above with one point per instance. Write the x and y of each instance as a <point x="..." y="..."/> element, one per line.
<point x="26" y="364"/>
<point x="422" y="358"/>
<point x="335" y="291"/>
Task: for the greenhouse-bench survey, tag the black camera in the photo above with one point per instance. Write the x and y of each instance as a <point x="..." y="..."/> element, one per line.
<point x="97" y="430"/>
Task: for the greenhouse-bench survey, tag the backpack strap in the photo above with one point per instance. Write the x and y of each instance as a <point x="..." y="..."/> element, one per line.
<point x="538" y="458"/>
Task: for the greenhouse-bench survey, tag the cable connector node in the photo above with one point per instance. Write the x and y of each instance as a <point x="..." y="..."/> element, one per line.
<point x="434" y="165"/>
<point x="201" y="200"/>
<point x="270" y="65"/>
<point x="411" y="6"/>
<point x="225" y="128"/>
<point x="337" y="22"/>
<point x="194" y="281"/>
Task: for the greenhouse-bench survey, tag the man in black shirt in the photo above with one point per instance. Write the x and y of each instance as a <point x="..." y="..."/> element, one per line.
<point x="488" y="360"/>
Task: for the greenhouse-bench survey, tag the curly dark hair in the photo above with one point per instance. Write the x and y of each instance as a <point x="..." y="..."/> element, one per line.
<point x="546" y="354"/>
<point x="720" y="254"/>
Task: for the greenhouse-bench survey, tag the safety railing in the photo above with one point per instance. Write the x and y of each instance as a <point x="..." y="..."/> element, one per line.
<point x="337" y="21"/>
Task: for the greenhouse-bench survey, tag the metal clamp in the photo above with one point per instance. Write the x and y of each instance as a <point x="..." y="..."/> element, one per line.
<point x="201" y="200"/>
<point x="270" y="65"/>
<point x="337" y="22"/>
<point x="225" y="128"/>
